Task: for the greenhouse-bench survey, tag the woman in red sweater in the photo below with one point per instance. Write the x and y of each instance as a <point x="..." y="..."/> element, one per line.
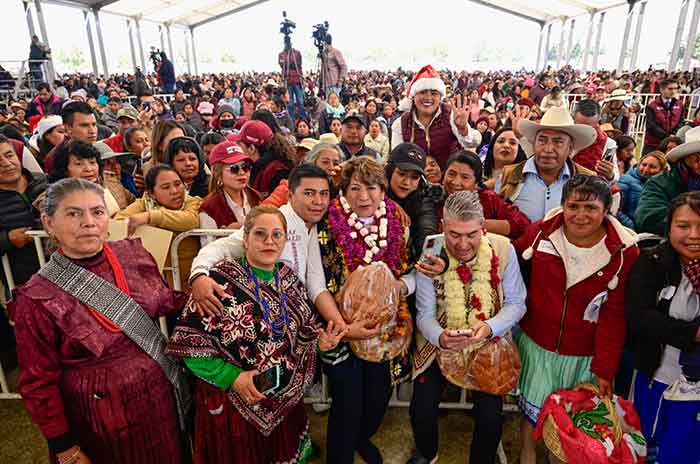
<point x="578" y="260"/>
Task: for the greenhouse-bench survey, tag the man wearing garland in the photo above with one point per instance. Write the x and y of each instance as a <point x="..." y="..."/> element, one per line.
<point x="481" y="296"/>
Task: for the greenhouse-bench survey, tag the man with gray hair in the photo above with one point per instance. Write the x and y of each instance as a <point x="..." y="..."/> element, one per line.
<point x="457" y="313"/>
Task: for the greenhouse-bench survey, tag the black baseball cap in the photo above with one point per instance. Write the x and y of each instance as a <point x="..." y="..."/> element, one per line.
<point x="355" y="117"/>
<point x="408" y="157"/>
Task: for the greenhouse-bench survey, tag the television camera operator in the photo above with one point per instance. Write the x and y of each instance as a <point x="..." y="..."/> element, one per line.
<point x="334" y="68"/>
<point x="289" y="60"/>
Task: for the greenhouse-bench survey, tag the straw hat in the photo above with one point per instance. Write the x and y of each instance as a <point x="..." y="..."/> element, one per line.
<point x="691" y="146"/>
<point x="618" y="95"/>
<point x="559" y="119"/>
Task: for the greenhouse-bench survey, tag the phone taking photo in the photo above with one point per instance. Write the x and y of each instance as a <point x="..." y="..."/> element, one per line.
<point x="268" y="381"/>
<point x="609" y="154"/>
<point x="433" y="245"/>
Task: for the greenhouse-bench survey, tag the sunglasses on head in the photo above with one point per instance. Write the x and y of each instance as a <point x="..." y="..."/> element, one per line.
<point x="242" y="167"/>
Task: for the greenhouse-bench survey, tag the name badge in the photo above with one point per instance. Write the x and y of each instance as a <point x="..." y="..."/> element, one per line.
<point x="545" y="246"/>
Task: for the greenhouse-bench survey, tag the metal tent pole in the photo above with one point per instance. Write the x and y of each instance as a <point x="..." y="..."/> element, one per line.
<point x="194" y="50"/>
<point x="129" y="27"/>
<point x="673" y="62"/>
<point x="546" y="46"/>
<point x="140" y="42"/>
<point x="569" y="46"/>
<point x="625" y="38"/>
<point x="30" y="19"/>
<point x="187" y="55"/>
<point x="589" y="36"/>
<point x="637" y="35"/>
<point x="45" y="37"/>
<point x="162" y="38"/>
<point x="599" y="35"/>
<point x="692" y="33"/>
<point x="539" y="48"/>
<point x="170" y="43"/>
<point x="101" y="42"/>
<point x="561" y="52"/>
<point x="91" y="43"/>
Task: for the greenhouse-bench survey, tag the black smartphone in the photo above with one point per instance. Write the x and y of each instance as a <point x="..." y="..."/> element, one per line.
<point x="268" y="381"/>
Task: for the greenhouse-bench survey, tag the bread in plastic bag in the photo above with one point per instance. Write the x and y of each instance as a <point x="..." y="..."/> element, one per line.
<point x="491" y="367"/>
<point x="373" y="293"/>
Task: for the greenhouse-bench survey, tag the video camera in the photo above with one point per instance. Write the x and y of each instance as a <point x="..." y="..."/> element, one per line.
<point x="287" y="26"/>
<point x="154" y="56"/>
<point x="319" y="34"/>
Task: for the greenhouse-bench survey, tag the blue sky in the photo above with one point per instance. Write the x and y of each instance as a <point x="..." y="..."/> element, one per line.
<point x="370" y="33"/>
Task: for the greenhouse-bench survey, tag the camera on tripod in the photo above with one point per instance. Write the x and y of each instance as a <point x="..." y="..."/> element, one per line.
<point x="319" y="34"/>
<point x="287" y="26"/>
<point x="154" y="55"/>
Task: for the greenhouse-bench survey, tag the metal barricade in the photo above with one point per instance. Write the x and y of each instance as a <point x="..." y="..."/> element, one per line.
<point x="166" y="97"/>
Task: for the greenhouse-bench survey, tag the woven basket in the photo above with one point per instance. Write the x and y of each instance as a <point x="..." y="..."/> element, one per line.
<point x="550" y="430"/>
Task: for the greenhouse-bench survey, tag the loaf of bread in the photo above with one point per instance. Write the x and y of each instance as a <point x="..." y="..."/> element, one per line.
<point x="494" y="367"/>
<point x="372" y="293"/>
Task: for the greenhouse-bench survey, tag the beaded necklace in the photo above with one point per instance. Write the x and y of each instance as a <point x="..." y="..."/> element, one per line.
<point x="277" y="324"/>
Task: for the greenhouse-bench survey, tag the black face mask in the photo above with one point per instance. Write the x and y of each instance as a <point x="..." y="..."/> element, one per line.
<point x="227" y="123"/>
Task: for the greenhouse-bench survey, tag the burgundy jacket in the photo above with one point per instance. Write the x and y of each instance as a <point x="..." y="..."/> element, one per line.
<point x="57" y="333"/>
<point x="663" y="122"/>
<point x="495" y="207"/>
<point x="217" y="207"/>
<point x="554" y="318"/>
<point x="588" y="157"/>
<point x="440" y="142"/>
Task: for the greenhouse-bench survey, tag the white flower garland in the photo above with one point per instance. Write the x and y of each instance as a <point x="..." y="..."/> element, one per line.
<point x="458" y="316"/>
<point x="374" y="237"/>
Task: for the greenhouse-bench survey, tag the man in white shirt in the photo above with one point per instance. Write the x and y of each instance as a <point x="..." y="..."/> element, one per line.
<point x="309" y="196"/>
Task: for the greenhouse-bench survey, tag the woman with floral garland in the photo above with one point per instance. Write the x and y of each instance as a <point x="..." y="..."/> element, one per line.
<point x="363" y="226"/>
<point x="574" y="328"/>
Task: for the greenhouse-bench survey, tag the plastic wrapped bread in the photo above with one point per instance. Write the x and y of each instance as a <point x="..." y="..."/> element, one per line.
<point x="373" y="294"/>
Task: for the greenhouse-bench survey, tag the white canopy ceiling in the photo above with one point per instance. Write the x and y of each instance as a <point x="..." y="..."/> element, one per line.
<point x="193" y="13"/>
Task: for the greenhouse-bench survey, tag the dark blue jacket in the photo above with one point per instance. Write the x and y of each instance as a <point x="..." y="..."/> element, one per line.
<point x="167" y="73"/>
<point x="631" y="185"/>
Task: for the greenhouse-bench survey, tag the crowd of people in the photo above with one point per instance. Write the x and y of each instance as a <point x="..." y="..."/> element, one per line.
<point x="538" y="209"/>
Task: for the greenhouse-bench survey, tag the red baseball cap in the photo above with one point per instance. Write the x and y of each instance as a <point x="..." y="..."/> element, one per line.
<point x="228" y="153"/>
<point x="252" y="133"/>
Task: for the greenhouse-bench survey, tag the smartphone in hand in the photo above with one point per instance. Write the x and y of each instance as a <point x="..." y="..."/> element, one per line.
<point x="268" y="381"/>
<point x="433" y="245"/>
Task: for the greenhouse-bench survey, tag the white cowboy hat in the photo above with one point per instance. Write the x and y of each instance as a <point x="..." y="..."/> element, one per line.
<point x="691" y="146"/>
<point x="618" y="95"/>
<point x="559" y="119"/>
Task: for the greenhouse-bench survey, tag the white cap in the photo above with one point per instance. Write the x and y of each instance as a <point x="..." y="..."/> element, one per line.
<point x="47" y="123"/>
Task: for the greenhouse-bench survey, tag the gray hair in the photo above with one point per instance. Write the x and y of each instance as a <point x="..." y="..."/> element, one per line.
<point x="463" y="206"/>
<point x="313" y="154"/>
<point x="57" y="191"/>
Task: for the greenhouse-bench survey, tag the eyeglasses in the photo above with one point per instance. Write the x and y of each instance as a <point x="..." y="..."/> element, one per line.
<point x="262" y="235"/>
<point x="240" y="168"/>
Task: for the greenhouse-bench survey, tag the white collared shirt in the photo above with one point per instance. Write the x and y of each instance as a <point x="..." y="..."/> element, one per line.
<point x="302" y="252"/>
<point x="208" y="222"/>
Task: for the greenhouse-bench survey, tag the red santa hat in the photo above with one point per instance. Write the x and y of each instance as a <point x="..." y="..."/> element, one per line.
<point x="427" y="78"/>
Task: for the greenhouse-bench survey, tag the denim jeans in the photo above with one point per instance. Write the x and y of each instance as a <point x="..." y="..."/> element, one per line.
<point x="296" y="96"/>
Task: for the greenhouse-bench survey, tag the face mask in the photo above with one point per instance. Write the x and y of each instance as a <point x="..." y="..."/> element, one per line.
<point x="227" y="123"/>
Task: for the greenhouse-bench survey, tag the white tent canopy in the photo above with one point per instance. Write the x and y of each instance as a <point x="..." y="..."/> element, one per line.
<point x="190" y="14"/>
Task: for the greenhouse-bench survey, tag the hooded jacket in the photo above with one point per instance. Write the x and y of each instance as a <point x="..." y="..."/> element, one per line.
<point x="556" y="310"/>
